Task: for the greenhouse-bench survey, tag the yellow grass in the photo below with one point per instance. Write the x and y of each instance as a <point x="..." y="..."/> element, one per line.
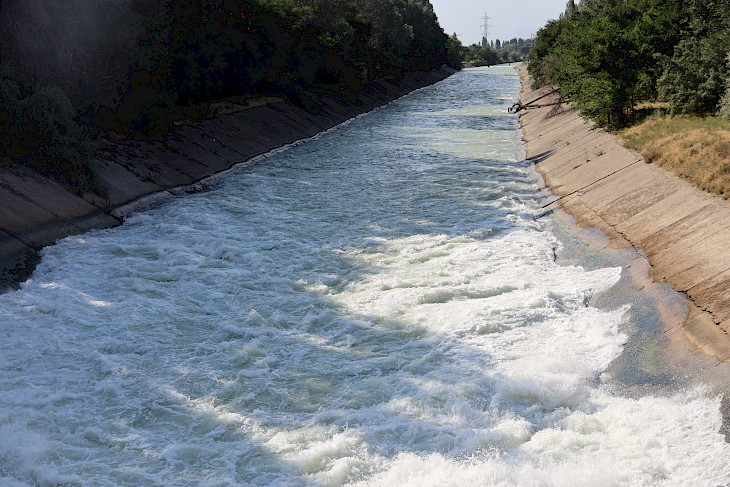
<point x="695" y="148"/>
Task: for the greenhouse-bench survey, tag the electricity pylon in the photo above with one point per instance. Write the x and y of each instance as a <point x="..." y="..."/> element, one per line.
<point x="485" y="36"/>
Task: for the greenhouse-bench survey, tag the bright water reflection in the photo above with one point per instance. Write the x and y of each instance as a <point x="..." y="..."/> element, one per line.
<point x="377" y="307"/>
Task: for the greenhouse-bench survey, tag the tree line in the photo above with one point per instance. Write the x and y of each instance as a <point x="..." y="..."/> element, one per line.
<point x="72" y="68"/>
<point x="489" y="54"/>
<point x="609" y="56"/>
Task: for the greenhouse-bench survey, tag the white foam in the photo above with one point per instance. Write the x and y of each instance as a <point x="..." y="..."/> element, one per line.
<point x="387" y="314"/>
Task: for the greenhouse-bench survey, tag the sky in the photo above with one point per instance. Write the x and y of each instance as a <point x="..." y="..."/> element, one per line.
<point x="509" y="18"/>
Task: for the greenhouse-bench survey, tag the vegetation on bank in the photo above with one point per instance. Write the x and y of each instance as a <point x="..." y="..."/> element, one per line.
<point x="39" y="131"/>
<point x="693" y="147"/>
<point x="75" y="68"/>
<point x="659" y="70"/>
<point x="496" y="52"/>
<point x="610" y="56"/>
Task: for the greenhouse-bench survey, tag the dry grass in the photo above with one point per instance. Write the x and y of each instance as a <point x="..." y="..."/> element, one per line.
<point x="695" y="148"/>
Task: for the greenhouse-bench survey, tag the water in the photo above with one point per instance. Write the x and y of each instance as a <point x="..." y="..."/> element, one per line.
<point x="379" y="306"/>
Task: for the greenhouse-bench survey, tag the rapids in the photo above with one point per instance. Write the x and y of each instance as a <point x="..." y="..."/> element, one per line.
<point x="378" y="306"/>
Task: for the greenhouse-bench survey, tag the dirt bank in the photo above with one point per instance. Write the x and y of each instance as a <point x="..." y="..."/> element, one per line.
<point x="683" y="232"/>
<point x="35" y="211"/>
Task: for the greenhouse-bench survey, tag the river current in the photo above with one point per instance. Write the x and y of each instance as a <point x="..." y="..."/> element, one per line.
<point x="379" y="306"/>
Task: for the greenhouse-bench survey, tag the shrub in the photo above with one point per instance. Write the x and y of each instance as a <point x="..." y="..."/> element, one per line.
<point x="40" y="132"/>
<point x="693" y="80"/>
<point x="725" y="100"/>
<point x="725" y="104"/>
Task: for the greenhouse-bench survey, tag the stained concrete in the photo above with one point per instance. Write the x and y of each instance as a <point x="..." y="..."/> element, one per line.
<point x="684" y="232"/>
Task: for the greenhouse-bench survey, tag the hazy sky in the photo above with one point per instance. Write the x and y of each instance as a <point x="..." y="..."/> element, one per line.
<point x="509" y="18"/>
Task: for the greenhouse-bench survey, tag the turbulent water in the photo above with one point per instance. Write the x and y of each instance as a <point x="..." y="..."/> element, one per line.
<point x="379" y="306"/>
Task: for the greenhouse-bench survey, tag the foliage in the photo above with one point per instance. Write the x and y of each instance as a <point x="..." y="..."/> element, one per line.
<point x="208" y="49"/>
<point x="83" y="47"/>
<point x="482" y="56"/>
<point x="725" y="104"/>
<point x="129" y="62"/>
<point x="39" y="131"/>
<point x="455" y="52"/>
<point x="597" y="63"/>
<point x="514" y="50"/>
<point x="610" y="56"/>
<point x="498" y="52"/>
<point x="133" y="65"/>
<point x="693" y="79"/>
<point x="725" y="100"/>
<point x="543" y="53"/>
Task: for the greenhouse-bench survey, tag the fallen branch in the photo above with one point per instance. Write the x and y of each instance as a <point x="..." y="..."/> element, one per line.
<point x="519" y="106"/>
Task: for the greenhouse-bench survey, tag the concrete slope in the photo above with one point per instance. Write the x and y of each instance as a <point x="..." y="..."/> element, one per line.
<point x="35" y="211"/>
<point x="684" y="232"/>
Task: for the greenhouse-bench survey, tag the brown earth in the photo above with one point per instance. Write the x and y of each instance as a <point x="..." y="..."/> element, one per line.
<point x="35" y="211"/>
<point x="683" y="232"/>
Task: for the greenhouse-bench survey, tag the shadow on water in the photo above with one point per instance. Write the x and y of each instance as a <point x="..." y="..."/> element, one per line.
<point x="218" y="347"/>
<point x="348" y="373"/>
<point x="204" y="379"/>
<point x="286" y="371"/>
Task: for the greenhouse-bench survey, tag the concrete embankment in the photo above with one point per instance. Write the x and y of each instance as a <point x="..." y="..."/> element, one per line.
<point x="684" y="232"/>
<point x="35" y="211"/>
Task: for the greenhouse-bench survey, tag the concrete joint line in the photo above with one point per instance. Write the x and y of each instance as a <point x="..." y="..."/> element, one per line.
<point x="24" y="197"/>
<point x="554" y="153"/>
<point x="689" y="289"/>
<point x="30" y="246"/>
<point x="586" y="151"/>
<point x="591" y="184"/>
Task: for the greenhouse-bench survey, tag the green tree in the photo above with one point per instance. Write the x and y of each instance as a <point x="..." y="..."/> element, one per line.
<point x="693" y="76"/>
<point x="725" y="100"/>
<point x="543" y="53"/>
<point x="693" y="80"/>
<point x="39" y="131"/>
<point x="608" y="56"/>
<point x="455" y="52"/>
<point x="570" y="9"/>
<point x="483" y="56"/>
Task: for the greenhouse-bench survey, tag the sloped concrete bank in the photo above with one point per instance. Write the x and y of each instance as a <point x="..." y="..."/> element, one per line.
<point x="35" y="211"/>
<point x="683" y="232"/>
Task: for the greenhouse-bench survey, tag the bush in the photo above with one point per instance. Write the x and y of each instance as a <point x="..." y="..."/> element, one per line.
<point x="40" y="133"/>
<point x="135" y="65"/>
<point x="693" y="79"/>
<point x="725" y="100"/>
<point x="725" y="104"/>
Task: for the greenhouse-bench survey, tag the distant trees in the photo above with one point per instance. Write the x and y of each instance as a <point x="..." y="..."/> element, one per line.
<point x="608" y="56"/>
<point x="516" y="49"/>
<point x="498" y="52"/>
<point x="476" y="55"/>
